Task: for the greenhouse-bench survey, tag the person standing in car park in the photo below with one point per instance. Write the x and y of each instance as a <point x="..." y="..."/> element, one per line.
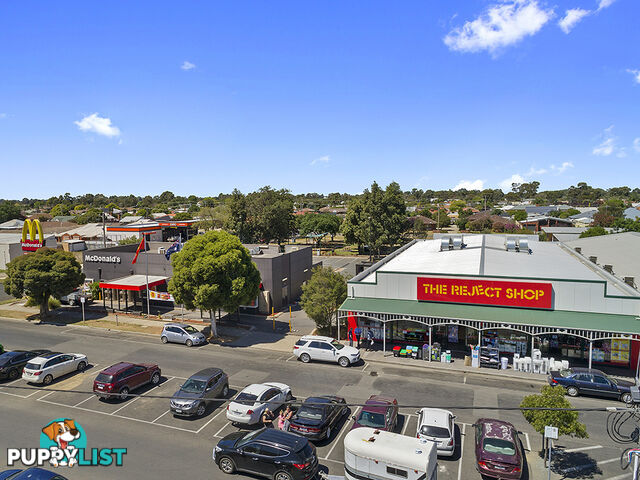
<point x="350" y="336"/>
<point x="369" y="340"/>
<point x="358" y="332"/>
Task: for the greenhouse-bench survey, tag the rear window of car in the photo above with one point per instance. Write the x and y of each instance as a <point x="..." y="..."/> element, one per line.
<point x="300" y="343"/>
<point x="306" y="451"/>
<point x="433" y="431"/>
<point x="565" y="373"/>
<point x="310" y="413"/>
<point x="497" y="445"/>
<point x="104" y="378"/>
<point x="32" y="366"/>
<point x="246" y="398"/>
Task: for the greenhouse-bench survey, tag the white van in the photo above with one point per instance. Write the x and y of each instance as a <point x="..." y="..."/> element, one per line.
<point x="370" y="453"/>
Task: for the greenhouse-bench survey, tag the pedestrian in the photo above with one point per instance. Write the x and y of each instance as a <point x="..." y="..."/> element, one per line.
<point x="281" y="420"/>
<point x="358" y="332"/>
<point x="350" y="335"/>
<point x="370" y="340"/>
<point x="267" y="418"/>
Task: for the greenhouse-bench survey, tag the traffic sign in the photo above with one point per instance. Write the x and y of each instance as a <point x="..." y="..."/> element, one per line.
<point x="551" y="432"/>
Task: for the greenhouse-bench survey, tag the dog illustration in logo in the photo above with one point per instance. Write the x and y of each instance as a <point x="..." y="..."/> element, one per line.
<point x="62" y="433"/>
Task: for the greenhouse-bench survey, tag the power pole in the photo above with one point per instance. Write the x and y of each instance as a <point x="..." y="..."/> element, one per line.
<point x="104" y="230"/>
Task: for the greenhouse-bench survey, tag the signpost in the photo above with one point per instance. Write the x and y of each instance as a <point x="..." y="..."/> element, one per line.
<point x="550" y="434"/>
<point x="82" y="300"/>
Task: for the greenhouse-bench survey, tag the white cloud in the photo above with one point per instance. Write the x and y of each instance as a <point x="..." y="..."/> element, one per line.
<point x="636" y="144"/>
<point x="635" y="73"/>
<point x="571" y="19"/>
<point x="532" y="171"/>
<point x="97" y="124"/>
<point x="605" y="4"/>
<point x="608" y="144"/>
<point x="503" y="24"/>
<point x="324" y="160"/>
<point x="505" y="185"/>
<point x="621" y="153"/>
<point x="186" y="65"/>
<point x="562" y="168"/>
<point x="469" y="185"/>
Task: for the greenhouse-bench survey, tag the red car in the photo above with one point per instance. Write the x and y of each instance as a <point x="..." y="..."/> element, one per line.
<point x="378" y="412"/>
<point x="498" y="449"/>
<point x="120" y="379"/>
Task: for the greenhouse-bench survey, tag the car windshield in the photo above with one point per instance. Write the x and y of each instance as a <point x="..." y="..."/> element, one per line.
<point x="194" y="386"/>
<point x="246" y="398"/>
<point x="370" y="419"/>
<point x="104" y="378"/>
<point x="190" y="329"/>
<point x="5" y="357"/>
<point x="33" y="366"/>
<point x="247" y="437"/>
<point x="433" y="431"/>
<point x="310" y="413"/>
<point x="337" y="345"/>
<point x="498" y="445"/>
<point x="565" y="373"/>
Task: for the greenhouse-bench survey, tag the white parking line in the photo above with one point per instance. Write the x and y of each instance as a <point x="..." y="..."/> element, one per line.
<point x="216" y="416"/>
<point x="462" y="435"/>
<point x="406" y="423"/>
<point x="620" y="477"/>
<point x="526" y="435"/>
<point x="217" y="434"/>
<point x="582" y="449"/>
<point x="82" y="401"/>
<point x="611" y="460"/>
<point x="160" y="416"/>
<point x="337" y="439"/>
<point x="123" y="406"/>
<point x="365" y="367"/>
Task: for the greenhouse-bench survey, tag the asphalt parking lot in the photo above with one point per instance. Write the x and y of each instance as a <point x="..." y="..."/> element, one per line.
<point x="147" y="427"/>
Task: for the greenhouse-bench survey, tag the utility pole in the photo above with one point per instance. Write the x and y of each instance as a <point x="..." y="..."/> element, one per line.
<point x="104" y="230"/>
<point x="146" y="256"/>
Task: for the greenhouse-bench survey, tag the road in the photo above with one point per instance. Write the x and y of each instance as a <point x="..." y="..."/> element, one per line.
<point x="160" y="445"/>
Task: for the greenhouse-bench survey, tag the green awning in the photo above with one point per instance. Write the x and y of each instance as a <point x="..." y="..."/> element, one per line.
<point x="562" y="319"/>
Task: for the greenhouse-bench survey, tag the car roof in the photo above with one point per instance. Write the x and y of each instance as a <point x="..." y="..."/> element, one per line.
<point x="206" y="373"/>
<point x="182" y="325"/>
<point x="586" y="370"/>
<point x="436" y="416"/>
<point x="256" y="388"/>
<point x="12" y="353"/>
<point x="319" y="338"/>
<point x="317" y="400"/>
<point x="377" y="404"/>
<point x="282" y="438"/>
<point x="494" y="428"/>
<point x="117" y="367"/>
<point x="45" y="357"/>
<point x="32" y="473"/>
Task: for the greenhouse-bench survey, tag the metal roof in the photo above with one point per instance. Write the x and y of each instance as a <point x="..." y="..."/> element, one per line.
<point x="133" y="282"/>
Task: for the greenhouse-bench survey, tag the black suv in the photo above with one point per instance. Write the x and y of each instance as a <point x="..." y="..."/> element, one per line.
<point x="267" y="452"/>
<point x="12" y="363"/>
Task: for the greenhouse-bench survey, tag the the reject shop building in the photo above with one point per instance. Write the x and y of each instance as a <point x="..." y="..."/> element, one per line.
<point x="502" y="291"/>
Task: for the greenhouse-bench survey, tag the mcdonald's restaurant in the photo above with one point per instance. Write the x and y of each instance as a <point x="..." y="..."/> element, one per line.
<point x="17" y="240"/>
<point x="510" y="297"/>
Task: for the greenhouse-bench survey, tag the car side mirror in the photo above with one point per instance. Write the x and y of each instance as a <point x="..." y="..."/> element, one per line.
<point x="418" y="412"/>
<point x="353" y="417"/>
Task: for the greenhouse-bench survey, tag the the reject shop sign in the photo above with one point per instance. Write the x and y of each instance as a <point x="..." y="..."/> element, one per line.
<point x="485" y="292"/>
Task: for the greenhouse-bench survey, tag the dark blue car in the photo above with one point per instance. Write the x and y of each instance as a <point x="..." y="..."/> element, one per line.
<point x="31" y="474"/>
<point x="588" y="381"/>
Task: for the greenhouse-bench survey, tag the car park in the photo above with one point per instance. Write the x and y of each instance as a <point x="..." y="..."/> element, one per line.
<point x="327" y="349"/>
<point x="498" y="449"/>
<point x="33" y="473"/>
<point x="49" y="366"/>
<point x="438" y="426"/>
<point x="12" y="363"/>
<point x="192" y="397"/>
<point x="248" y="406"/>
<point x="317" y="416"/>
<point x="267" y="452"/>
<point x="182" y="333"/>
<point x="378" y="412"/>
<point x="74" y="297"/>
<point x="589" y="381"/>
<point x="120" y="379"/>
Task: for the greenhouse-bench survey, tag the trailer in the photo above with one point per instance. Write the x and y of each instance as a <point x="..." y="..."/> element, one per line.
<point x="374" y="454"/>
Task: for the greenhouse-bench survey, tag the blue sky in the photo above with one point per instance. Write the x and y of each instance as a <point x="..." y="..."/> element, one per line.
<point x="201" y="97"/>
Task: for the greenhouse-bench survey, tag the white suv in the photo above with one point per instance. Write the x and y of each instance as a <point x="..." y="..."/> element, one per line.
<point x="315" y="347"/>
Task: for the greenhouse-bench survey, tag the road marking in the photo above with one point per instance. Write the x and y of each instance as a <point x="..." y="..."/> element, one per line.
<point x="337" y="439"/>
<point x="125" y="405"/>
<point x="290" y="358"/>
<point x="82" y="401"/>
<point x="13" y="394"/>
<point x="406" y="423"/>
<point x="160" y="416"/>
<point x="365" y="367"/>
<point x="620" y="477"/>
<point x="217" y="434"/>
<point x="45" y="395"/>
<point x="462" y="435"/>
<point x="211" y="420"/>
<point x="464" y="380"/>
<point x="611" y="460"/>
<point x="526" y="436"/>
<point x="582" y="449"/>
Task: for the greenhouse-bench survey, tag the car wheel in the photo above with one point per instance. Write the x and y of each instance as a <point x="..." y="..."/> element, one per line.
<point x="626" y="397"/>
<point x="227" y="465"/>
<point x="225" y="390"/>
<point x="155" y="380"/>
<point x="164" y="339"/>
<point x="572" y="391"/>
<point x="305" y="358"/>
<point x="188" y="343"/>
<point x="124" y="394"/>
<point x="343" y="361"/>
<point x="328" y="434"/>
<point x="282" y="476"/>
<point x="13" y="374"/>
<point x="82" y="366"/>
<point x="202" y="408"/>
<point x="47" y="380"/>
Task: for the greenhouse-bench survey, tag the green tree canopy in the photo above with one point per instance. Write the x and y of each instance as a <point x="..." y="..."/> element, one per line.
<point x="214" y="217"/>
<point x="41" y="274"/>
<point x="317" y="223"/>
<point x="238" y="222"/>
<point x="270" y="214"/>
<point x="93" y="215"/>
<point x="182" y="216"/>
<point x="9" y="211"/>
<point x="593" y="232"/>
<point x="519" y="215"/>
<point x="59" y="209"/>
<point x="322" y="295"/>
<point x="214" y="271"/>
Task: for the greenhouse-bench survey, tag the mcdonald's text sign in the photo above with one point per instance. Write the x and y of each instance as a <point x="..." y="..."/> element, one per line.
<point x="32" y="237"/>
<point x="485" y="292"/>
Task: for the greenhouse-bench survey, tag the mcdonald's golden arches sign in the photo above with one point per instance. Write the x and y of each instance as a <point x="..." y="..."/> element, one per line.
<point x="32" y="238"/>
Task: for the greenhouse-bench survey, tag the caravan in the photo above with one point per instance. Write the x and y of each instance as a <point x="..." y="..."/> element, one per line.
<point x="374" y="454"/>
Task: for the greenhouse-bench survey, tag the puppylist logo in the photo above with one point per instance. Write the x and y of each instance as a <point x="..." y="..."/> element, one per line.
<point x="63" y="442"/>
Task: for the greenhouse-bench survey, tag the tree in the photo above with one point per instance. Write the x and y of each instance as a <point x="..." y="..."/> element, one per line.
<point x="593" y="232"/>
<point x="182" y="216"/>
<point x="552" y="397"/>
<point x="143" y="212"/>
<point x="214" y="271"/>
<point x="322" y="296"/>
<point x="270" y="215"/>
<point x="318" y="223"/>
<point x="42" y="274"/>
<point x="59" y="210"/>
<point x="603" y="219"/>
<point x="212" y="218"/>
<point x="238" y="222"/>
<point x="129" y="240"/>
<point x="519" y="215"/>
<point x="92" y="215"/>
<point x="9" y="211"/>
<point x="457" y="206"/>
